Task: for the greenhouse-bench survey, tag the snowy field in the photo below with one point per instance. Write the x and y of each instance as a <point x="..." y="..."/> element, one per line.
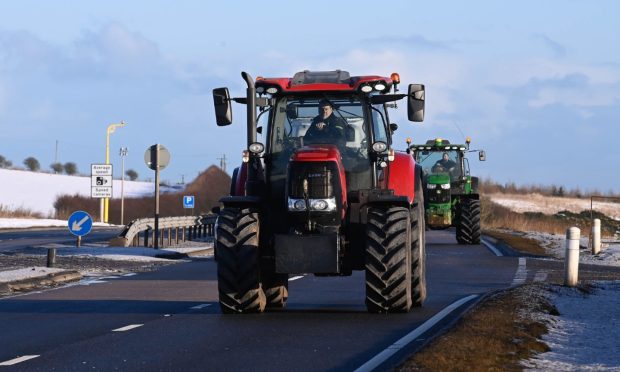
<point x="38" y="191"/>
<point x="552" y="205"/>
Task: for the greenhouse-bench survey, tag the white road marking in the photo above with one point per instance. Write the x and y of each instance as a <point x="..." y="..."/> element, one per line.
<point x="521" y="273"/>
<point x="295" y="278"/>
<point x="378" y="359"/>
<point x="491" y="247"/>
<point x="198" y="307"/>
<point x="540" y="276"/>
<point x="18" y="360"/>
<point x="127" y="328"/>
<point x="130" y="274"/>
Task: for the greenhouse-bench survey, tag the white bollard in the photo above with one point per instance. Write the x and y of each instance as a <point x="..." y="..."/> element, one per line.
<point x="596" y="236"/>
<point x="571" y="258"/>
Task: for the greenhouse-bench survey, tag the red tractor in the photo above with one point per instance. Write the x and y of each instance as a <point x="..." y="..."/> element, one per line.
<point x="324" y="194"/>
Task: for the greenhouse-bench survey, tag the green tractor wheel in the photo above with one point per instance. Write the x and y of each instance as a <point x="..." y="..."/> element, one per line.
<point x="468" y="221"/>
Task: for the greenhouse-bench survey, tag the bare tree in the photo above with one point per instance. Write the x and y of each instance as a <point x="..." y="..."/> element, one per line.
<point x="32" y="164"/>
<point x="132" y="174"/>
<point x="4" y="163"/>
<point x="56" y="167"/>
<point x="70" y="168"/>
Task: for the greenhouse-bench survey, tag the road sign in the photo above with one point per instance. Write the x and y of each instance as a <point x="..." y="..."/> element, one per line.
<point x="157" y="154"/>
<point x="80" y="223"/>
<point x="101" y="180"/>
<point x="188" y="201"/>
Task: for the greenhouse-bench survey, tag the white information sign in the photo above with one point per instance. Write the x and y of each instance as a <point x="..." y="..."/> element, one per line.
<point x="101" y="180"/>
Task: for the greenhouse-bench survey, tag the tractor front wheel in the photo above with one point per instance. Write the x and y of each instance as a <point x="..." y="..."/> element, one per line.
<point x="275" y="287"/>
<point x="388" y="260"/>
<point x="468" y="221"/>
<point x="238" y="278"/>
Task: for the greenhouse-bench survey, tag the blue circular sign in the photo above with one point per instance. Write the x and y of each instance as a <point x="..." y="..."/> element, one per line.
<point x="80" y="223"/>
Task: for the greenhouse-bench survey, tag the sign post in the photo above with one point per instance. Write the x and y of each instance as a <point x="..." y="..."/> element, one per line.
<point x="156" y="157"/>
<point x="80" y="223"/>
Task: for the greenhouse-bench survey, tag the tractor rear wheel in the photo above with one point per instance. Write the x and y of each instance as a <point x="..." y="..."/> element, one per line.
<point x="275" y="287"/>
<point x="238" y="270"/>
<point x="388" y="260"/>
<point x="418" y="255"/>
<point x="468" y="221"/>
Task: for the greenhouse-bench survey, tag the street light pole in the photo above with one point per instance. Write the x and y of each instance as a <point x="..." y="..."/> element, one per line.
<point x="105" y="204"/>
<point x="123" y="153"/>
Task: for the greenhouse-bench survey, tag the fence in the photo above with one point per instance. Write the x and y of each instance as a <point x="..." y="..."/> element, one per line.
<point x="184" y="228"/>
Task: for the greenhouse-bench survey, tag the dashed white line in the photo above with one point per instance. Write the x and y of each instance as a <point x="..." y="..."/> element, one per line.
<point x="378" y="359"/>
<point x="491" y="248"/>
<point x="130" y="274"/>
<point x="18" y="360"/>
<point x="201" y="306"/>
<point x="127" y="328"/>
<point x="521" y="273"/>
<point x="295" y="278"/>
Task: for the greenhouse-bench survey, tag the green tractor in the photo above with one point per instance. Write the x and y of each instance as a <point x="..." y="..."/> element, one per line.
<point x="450" y="192"/>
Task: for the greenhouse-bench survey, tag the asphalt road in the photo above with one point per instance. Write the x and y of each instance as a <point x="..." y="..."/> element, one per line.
<point x="12" y="240"/>
<point x="169" y="319"/>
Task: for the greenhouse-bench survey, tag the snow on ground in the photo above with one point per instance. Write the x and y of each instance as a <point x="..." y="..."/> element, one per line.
<point x="552" y="205"/>
<point x="555" y="246"/>
<point x="29" y="272"/>
<point x="585" y="335"/>
<point x="22" y="223"/>
<point x="38" y="191"/>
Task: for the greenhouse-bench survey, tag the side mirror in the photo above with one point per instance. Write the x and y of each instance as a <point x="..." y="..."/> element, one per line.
<point x="291" y="111"/>
<point x="393" y="127"/>
<point x="415" y="102"/>
<point x="482" y="156"/>
<point x="223" y="109"/>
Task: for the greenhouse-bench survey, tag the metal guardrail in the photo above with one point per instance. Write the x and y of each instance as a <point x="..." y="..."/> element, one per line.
<point x="184" y="228"/>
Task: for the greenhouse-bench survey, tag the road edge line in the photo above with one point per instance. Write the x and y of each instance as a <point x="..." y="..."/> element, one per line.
<point x="17" y="360"/>
<point x="386" y="354"/>
<point x="490" y="246"/>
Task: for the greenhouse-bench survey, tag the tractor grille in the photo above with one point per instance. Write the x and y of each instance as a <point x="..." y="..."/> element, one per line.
<point x="439" y="195"/>
<point x="321" y="177"/>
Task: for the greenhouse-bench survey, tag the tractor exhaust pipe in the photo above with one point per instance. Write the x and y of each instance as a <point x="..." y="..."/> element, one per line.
<point x="251" y="106"/>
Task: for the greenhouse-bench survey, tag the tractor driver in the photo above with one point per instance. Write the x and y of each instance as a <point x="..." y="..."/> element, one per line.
<point x="326" y="127"/>
<point x="445" y="164"/>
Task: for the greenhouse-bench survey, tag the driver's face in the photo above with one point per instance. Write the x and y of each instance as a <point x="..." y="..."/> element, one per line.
<point x="445" y="157"/>
<point x="325" y="111"/>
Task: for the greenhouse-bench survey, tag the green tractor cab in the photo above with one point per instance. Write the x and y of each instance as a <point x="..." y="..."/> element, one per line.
<point x="450" y="192"/>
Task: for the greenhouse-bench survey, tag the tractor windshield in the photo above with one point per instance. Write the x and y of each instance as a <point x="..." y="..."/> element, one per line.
<point x="441" y="162"/>
<point x="296" y="121"/>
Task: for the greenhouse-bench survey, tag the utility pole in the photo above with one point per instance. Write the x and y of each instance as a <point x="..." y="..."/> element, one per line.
<point x="56" y="153"/>
<point x="123" y="153"/>
<point x="223" y="162"/>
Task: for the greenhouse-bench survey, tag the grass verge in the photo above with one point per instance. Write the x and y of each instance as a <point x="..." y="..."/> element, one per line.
<point x="518" y="242"/>
<point x="6" y="212"/>
<point x="495" y="336"/>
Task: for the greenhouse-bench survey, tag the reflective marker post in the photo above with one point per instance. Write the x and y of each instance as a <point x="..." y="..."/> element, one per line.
<point x="571" y="259"/>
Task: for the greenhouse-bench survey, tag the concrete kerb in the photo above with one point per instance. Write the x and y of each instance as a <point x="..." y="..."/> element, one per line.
<point x="46" y="280"/>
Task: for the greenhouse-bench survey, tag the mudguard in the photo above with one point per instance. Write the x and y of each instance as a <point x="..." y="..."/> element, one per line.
<point x="401" y="176"/>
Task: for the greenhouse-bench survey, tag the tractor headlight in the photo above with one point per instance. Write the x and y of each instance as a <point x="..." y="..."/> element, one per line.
<point x="379" y="86"/>
<point x="431" y="186"/>
<point x="272" y="90"/>
<point x="379" y="146"/>
<point x="256" y="148"/>
<point x="366" y="88"/>
<point x="445" y="186"/>
<point x="318" y="205"/>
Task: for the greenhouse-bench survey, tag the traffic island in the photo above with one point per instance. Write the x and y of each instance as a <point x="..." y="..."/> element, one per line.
<point x="19" y="280"/>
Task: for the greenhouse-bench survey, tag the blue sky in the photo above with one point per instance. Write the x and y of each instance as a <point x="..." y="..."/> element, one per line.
<point x="535" y="83"/>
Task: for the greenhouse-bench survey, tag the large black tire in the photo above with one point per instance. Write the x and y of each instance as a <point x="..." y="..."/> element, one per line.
<point x="388" y="260"/>
<point x="418" y="255"/>
<point x="468" y="221"/>
<point x="275" y="287"/>
<point x="238" y="273"/>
